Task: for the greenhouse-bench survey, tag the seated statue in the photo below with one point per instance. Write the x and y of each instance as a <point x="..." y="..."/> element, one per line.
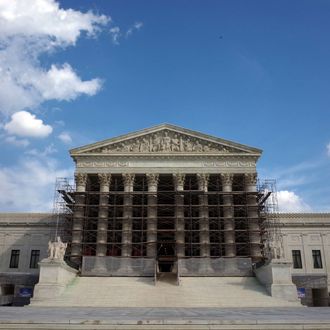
<point x="56" y="250"/>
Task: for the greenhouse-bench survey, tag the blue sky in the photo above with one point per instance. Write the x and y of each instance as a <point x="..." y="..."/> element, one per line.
<point x="255" y="72"/>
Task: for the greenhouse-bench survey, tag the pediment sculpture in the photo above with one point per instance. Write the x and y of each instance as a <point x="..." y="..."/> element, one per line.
<point x="165" y="141"/>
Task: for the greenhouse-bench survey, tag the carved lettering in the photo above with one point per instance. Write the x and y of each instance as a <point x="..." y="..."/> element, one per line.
<point x="229" y="164"/>
<point x="102" y="164"/>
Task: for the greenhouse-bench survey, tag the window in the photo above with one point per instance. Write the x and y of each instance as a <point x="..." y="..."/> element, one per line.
<point x="296" y="258"/>
<point x="14" y="259"/>
<point x="35" y="254"/>
<point x="317" y="260"/>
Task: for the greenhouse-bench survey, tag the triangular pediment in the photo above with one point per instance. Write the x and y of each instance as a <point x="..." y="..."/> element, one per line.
<point x="164" y="139"/>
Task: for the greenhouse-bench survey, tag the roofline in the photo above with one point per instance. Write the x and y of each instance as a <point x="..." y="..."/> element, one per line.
<point x="304" y="215"/>
<point x="77" y="150"/>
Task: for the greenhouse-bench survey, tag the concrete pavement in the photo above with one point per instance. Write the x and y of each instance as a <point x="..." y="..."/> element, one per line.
<point x="164" y="318"/>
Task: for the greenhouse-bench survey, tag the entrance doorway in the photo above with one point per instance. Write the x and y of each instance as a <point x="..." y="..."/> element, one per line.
<point x="166" y="256"/>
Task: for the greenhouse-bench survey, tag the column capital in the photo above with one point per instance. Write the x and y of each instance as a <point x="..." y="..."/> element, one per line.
<point x="227" y="178"/>
<point x="104" y="179"/>
<point x="202" y="179"/>
<point x="250" y="178"/>
<point x="179" y="179"/>
<point x="152" y="179"/>
<point x="128" y="181"/>
<point x="81" y="179"/>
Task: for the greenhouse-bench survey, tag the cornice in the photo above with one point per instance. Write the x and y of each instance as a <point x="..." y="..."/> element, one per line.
<point x="304" y="215"/>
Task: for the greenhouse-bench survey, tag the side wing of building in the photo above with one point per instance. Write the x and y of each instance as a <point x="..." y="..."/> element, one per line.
<point x="306" y="242"/>
<point x="24" y="240"/>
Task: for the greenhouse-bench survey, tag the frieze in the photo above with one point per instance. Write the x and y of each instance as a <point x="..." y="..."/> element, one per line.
<point x="102" y="164"/>
<point x="164" y="142"/>
<point x="229" y="164"/>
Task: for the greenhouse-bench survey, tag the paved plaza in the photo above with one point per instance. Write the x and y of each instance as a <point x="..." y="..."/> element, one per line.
<point x="164" y="318"/>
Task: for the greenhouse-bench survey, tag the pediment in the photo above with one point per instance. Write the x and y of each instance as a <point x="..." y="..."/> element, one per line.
<point x="164" y="139"/>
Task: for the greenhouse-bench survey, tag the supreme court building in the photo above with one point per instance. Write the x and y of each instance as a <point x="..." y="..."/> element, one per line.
<point x="166" y="203"/>
<point x="166" y="194"/>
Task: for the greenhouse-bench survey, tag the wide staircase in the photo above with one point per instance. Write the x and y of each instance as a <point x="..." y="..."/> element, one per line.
<point x="166" y="291"/>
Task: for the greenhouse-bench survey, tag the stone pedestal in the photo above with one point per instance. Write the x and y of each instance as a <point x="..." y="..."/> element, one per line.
<point x="55" y="275"/>
<point x="276" y="277"/>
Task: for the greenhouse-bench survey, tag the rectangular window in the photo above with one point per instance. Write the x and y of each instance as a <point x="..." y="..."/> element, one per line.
<point x="35" y="254"/>
<point x="14" y="258"/>
<point x="296" y="258"/>
<point x="317" y="260"/>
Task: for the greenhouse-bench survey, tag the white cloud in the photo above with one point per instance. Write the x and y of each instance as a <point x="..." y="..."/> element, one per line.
<point x="62" y="83"/>
<point x="44" y="18"/>
<point x="65" y="137"/>
<point x="29" y="29"/>
<point x="17" y="142"/>
<point x="328" y="149"/>
<point x="136" y="27"/>
<point x="26" y="124"/>
<point x="115" y="34"/>
<point x="288" y="201"/>
<point x="29" y="185"/>
<point x="42" y="153"/>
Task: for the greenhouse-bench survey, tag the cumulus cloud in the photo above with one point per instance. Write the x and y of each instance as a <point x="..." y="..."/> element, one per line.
<point x="29" y="185"/>
<point x="46" y="18"/>
<point x="62" y="83"/>
<point x="289" y="201"/>
<point x="65" y="137"/>
<point x="29" y="29"/>
<point x="26" y="124"/>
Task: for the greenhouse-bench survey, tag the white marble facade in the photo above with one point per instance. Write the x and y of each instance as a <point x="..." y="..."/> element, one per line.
<point x="166" y="150"/>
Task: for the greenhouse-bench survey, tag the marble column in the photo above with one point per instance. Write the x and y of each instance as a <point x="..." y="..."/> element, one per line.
<point x="228" y="214"/>
<point x="253" y="215"/>
<point x="127" y="215"/>
<point x="102" y="224"/>
<point x="152" y="180"/>
<point x="78" y="217"/>
<point x="204" y="238"/>
<point x="179" y="214"/>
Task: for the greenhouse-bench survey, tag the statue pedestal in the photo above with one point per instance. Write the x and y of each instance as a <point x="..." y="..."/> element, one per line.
<point x="276" y="277"/>
<point x="54" y="276"/>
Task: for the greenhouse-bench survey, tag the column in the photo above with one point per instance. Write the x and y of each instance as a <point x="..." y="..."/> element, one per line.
<point x="152" y="180"/>
<point x="78" y="217"/>
<point x="102" y="224"/>
<point x="179" y="214"/>
<point x="204" y="238"/>
<point x="253" y="215"/>
<point x="127" y="215"/>
<point x="228" y="214"/>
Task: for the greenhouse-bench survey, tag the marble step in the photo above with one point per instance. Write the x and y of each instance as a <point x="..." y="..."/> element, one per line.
<point x="142" y="292"/>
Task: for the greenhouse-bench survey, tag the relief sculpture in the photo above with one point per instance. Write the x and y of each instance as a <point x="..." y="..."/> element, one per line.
<point x="165" y="141"/>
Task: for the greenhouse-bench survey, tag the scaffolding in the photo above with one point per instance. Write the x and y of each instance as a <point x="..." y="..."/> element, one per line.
<point x="269" y="220"/>
<point x="62" y="208"/>
<point x="191" y="201"/>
